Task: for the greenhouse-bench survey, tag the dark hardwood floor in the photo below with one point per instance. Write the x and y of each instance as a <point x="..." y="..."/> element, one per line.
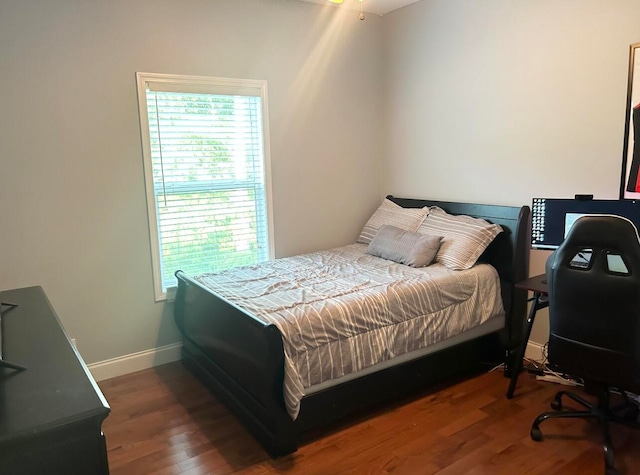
<point x="163" y="421"/>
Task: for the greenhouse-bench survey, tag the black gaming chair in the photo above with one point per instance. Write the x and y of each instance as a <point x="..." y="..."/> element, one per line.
<point x="594" y="318"/>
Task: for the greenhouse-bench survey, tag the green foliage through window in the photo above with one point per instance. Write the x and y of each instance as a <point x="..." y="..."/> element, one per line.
<point x="208" y="181"/>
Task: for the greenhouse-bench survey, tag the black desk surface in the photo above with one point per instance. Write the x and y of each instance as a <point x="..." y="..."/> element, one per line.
<point x="56" y="389"/>
<point x="537" y="283"/>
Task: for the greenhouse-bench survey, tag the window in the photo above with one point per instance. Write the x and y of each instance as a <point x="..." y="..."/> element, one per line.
<point x="206" y="170"/>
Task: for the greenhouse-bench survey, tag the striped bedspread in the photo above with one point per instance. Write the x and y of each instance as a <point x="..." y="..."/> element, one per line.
<point x="342" y="310"/>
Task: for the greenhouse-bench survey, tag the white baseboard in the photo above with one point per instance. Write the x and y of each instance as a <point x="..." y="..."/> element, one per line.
<point x="169" y="353"/>
<point x="135" y="362"/>
<point x="534" y="351"/>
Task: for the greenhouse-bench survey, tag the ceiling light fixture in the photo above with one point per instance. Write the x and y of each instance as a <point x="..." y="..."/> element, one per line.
<point x="361" y="16"/>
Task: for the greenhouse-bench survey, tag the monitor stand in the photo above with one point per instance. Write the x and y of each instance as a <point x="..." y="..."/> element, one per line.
<point x="4" y="363"/>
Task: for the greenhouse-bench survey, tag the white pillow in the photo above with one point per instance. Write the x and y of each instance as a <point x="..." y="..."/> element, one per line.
<point x="464" y="238"/>
<point x="404" y="247"/>
<point x="390" y="213"/>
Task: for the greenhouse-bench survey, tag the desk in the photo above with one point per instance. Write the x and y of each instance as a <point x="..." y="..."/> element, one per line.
<point x="50" y="413"/>
<point x="537" y="285"/>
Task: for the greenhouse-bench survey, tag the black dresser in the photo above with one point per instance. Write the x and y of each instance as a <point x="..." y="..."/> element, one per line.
<point x="51" y="413"/>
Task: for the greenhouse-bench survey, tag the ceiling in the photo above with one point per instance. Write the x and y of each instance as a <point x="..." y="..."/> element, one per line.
<point x="378" y="7"/>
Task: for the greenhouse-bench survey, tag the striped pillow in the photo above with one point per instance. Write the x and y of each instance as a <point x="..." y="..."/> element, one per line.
<point x="390" y="213"/>
<point x="465" y="238"/>
<point x="404" y="247"/>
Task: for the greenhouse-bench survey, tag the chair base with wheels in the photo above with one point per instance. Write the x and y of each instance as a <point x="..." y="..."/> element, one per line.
<point x="625" y="413"/>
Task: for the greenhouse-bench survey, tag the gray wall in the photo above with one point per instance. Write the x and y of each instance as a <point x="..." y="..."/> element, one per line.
<point x="500" y="101"/>
<point x="494" y="101"/>
<point x="72" y="202"/>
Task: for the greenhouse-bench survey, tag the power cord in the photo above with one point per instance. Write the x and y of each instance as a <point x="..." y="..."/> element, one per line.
<point x="544" y="373"/>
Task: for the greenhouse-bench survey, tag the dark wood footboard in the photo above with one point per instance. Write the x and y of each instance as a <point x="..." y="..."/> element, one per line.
<point x="241" y="358"/>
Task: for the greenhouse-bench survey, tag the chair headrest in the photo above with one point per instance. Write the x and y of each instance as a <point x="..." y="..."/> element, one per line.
<point x="604" y="231"/>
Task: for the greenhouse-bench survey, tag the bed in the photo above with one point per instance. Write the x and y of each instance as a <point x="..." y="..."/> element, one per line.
<point x="241" y="356"/>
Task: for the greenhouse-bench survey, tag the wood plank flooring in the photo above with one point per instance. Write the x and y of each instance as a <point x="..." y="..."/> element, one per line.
<point x="164" y="422"/>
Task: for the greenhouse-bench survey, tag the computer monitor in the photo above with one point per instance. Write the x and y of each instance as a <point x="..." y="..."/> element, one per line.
<point x="552" y="218"/>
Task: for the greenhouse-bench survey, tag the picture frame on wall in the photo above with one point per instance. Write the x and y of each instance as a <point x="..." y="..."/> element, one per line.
<point x="630" y="178"/>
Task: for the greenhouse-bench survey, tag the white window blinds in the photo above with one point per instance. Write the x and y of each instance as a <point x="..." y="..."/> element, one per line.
<point x="205" y="173"/>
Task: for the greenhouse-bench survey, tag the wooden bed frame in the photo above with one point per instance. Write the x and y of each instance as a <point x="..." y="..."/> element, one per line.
<point x="241" y="358"/>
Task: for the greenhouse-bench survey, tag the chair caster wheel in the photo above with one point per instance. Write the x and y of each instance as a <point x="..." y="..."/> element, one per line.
<point x="556" y="404"/>
<point x="536" y="434"/>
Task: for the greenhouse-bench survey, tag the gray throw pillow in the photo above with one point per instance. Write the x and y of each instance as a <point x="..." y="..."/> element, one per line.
<point x="404" y="247"/>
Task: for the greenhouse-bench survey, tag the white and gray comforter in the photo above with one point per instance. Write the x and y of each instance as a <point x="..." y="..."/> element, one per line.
<point x="342" y="310"/>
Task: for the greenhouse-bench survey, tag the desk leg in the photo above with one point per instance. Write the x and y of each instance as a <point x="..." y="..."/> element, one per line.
<point x="517" y="366"/>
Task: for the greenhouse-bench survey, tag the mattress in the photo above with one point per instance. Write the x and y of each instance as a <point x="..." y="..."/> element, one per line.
<point x="342" y="311"/>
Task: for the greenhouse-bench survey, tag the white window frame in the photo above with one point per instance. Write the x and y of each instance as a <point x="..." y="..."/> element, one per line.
<point x="195" y="84"/>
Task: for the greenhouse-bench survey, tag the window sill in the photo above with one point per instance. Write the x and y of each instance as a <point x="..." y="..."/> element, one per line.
<point x="168" y="296"/>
